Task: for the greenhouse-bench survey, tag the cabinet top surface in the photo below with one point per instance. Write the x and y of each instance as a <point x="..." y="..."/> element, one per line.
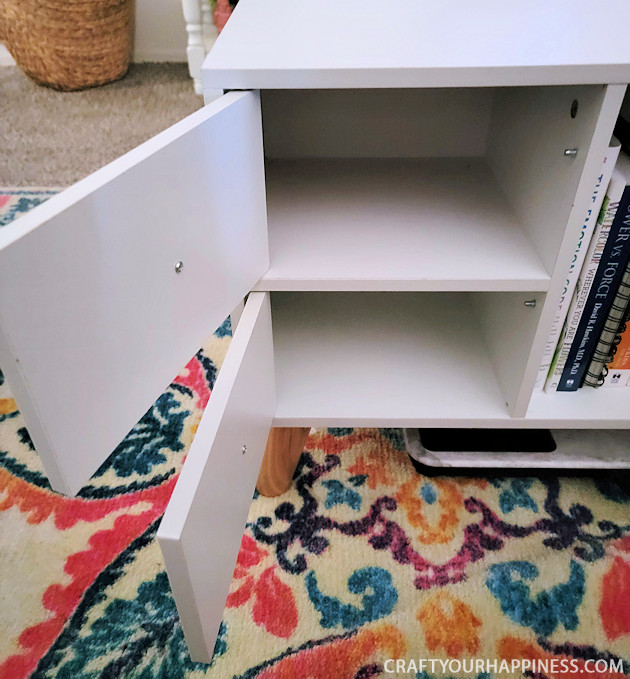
<point x="420" y="43"/>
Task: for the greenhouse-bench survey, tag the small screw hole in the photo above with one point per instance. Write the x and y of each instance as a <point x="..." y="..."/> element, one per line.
<point x="574" y="108"/>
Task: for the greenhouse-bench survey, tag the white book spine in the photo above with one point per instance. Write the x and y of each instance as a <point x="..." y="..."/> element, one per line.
<point x="577" y="261"/>
<point x="585" y="280"/>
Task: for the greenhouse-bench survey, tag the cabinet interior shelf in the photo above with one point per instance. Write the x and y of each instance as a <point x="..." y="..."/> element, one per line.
<point x="394" y="224"/>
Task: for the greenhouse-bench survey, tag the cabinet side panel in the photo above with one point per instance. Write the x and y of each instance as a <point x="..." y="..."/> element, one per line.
<point x="508" y="326"/>
<point x="201" y="531"/>
<point x="529" y="131"/>
<point x="390" y="123"/>
<point x="554" y="201"/>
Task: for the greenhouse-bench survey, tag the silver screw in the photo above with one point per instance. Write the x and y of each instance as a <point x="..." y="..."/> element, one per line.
<point x="179" y="266"/>
<point x="570" y="153"/>
<point x="244" y="449"/>
<point x="531" y="303"/>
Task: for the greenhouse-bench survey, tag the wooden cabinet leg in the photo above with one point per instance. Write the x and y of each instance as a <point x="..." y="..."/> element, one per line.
<point x="284" y="447"/>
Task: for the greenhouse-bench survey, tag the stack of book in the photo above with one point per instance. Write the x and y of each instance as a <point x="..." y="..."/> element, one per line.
<point x="589" y="345"/>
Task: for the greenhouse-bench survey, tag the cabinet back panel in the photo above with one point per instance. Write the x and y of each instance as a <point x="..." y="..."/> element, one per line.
<point x="409" y="123"/>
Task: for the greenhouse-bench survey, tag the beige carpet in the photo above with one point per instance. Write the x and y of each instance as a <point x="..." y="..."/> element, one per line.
<point x="50" y="138"/>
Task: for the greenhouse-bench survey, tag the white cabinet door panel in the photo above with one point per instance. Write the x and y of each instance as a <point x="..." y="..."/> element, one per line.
<point x="94" y="320"/>
<point x="201" y="531"/>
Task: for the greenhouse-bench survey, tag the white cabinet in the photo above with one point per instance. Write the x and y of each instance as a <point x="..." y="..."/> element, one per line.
<point x="404" y="229"/>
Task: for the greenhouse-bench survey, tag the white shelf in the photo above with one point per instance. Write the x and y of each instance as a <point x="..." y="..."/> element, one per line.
<point x="381" y="359"/>
<point x="607" y="407"/>
<point x="433" y="224"/>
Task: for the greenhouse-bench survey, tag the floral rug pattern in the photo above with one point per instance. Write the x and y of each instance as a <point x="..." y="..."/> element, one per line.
<point x="362" y="561"/>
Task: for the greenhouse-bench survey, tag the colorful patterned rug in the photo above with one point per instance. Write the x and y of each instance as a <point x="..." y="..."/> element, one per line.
<point x="14" y="201"/>
<point x="364" y="568"/>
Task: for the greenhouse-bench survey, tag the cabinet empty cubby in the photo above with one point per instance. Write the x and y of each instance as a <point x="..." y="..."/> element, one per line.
<point x="421" y="189"/>
<point x="398" y="359"/>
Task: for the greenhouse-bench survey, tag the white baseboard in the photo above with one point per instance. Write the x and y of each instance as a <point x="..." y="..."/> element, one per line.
<point x="159" y="55"/>
<point x="5" y="57"/>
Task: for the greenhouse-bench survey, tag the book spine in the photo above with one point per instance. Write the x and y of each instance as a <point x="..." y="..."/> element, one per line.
<point x="605" y="283"/>
<point x="621" y="360"/>
<point x="585" y="279"/>
<point x="609" y="338"/>
<point x="579" y="254"/>
<point x="619" y="368"/>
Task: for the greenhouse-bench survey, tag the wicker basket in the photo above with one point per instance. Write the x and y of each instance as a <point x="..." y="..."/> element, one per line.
<point x="69" y="44"/>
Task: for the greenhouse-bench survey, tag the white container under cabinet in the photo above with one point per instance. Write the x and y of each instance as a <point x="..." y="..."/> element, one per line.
<point x="393" y="191"/>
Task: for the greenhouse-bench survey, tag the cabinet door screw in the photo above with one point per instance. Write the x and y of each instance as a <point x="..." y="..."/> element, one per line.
<point x="570" y="153"/>
<point x="179" y="266"/>
<point x="244" y="450"/>
<point x="530" y="303"/>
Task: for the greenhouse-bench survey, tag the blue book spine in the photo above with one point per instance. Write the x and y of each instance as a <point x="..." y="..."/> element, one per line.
<point x="605" y="284"/>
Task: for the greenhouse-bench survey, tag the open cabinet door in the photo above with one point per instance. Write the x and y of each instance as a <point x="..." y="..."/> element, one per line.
<point x="95" y="319"/>
<point x="201" y="531"/>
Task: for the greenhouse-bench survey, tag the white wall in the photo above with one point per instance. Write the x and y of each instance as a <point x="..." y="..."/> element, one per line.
<point x="160" y="31"/>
